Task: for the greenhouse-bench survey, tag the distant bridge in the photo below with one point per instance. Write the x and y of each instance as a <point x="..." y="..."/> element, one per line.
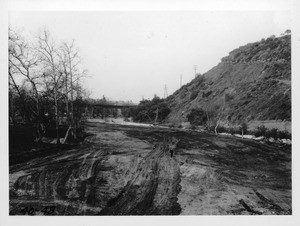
<point x="116" y="106"/>
<point x="107" y="110"/>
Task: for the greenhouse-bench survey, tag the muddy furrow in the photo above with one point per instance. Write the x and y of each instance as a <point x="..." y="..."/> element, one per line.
<point x="151" y="190"/>
<point x="80" y="181"/>
<point x="65" y="180"/>
<point x="116" y="171"/>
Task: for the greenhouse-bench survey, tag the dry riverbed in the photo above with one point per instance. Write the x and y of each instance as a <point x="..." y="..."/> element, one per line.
<point x="117" y="171"/>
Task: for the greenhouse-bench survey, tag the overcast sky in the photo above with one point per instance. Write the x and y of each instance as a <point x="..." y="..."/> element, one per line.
<point x="131" y="55"/>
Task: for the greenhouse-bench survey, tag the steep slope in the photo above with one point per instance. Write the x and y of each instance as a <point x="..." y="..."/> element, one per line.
<point x="252" y="83"/>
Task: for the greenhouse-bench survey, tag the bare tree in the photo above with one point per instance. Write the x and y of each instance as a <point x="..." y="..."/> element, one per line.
<point x="71" y="62"/>
<point x="23" y="64"/>
<point x="221" y="114"/>
<point x="47" y="73"/>
<point x="48" y="55"/>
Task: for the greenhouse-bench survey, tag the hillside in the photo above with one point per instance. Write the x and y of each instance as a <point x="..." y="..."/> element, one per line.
<point x="252" y="83"/>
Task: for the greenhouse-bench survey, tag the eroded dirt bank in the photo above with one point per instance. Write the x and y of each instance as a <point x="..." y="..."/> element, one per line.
<point x="116" y="171"/>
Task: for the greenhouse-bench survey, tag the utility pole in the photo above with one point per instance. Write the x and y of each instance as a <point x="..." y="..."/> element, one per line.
<point x="195" y="69"/>
<point x="165" y="91"/>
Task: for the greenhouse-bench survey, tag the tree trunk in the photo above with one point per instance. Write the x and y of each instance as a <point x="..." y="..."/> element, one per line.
<point x="156" y="116"/>
<point x="72" y="98"/>
<point x="67" y="135"/>
<point x="56" y="117"/>
<point x="218" y="122"/>
<point x="216" y="132"/>
<point x="39" y="123"/>
<point x="11" y="110"/>
<point x="57" y="126"/>
<point x="67" y="99"/>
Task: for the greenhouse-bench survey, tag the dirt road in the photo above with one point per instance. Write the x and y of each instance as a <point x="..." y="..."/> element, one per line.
<point x="116" y="171"/>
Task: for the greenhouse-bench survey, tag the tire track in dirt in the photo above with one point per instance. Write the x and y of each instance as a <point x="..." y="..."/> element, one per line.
<point x="116" y="172"/>
<point x="152" y="189"/>
<point x="80" y="181"/>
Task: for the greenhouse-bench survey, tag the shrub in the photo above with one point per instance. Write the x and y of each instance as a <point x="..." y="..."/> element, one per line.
<point x="272" y="133"/>
<point x="197" y="117"/>
<point x="260" y="131"/>
<point x="193" y="95"/>
<point x="284" y="135"/>
<point x="206" y="94"/>
<point x="210" y="128"/>
<point x="222" y="129"/>
<point x="243" y="129"/>
<point x="193" y="127"/>
<point x="276" y="134"/>
<point x="147" y="110"/>
<point x="172" y="125"/>
<point x="232" y="130"/>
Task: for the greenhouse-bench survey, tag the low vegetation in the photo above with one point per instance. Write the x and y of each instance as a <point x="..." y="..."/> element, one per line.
<point x="198" y="117"/>
<point x="271" y="133"/>
<point x="151" y="111"/>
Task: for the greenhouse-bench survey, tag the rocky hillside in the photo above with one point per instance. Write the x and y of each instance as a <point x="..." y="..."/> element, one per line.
<point x="252" y="83"/>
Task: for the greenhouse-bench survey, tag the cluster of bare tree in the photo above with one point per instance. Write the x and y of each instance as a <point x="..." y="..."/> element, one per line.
<point x="44" y="82"/>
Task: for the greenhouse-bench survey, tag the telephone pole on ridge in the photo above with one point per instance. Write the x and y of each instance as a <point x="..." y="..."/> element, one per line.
<point x="165" y="91"/>
<point x="195" y="69"/>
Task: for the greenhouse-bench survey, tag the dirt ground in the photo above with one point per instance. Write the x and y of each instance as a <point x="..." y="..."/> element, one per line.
<point x="118" y="170"/>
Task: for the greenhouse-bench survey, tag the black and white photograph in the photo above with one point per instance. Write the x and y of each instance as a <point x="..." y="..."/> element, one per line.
<point x="149" y="112"/>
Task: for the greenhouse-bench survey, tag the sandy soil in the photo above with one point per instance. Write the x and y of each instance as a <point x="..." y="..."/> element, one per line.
<point x="122" y="170"/>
